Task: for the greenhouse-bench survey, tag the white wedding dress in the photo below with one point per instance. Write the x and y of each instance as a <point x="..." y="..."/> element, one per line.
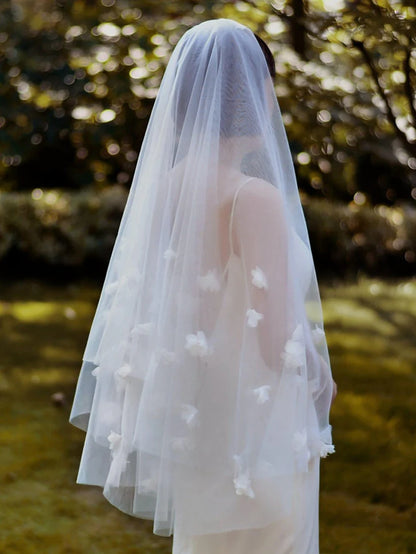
<point x="296" y="532"/>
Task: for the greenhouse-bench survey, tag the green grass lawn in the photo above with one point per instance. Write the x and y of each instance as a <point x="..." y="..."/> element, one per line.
<point x="368" y="488"/>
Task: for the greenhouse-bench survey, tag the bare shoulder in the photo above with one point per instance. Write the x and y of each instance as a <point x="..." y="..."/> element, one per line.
<point x="260" y="215"/>
<point x="259" y="194"/>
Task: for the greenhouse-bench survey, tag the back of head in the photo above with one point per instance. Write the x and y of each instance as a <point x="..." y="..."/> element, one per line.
<point x="222" y="70"/>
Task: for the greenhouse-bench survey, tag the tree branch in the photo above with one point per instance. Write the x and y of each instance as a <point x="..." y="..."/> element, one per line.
<point x="408" y="85"/>
<point x="409" y="89"/>
<point x="390" y="115"/>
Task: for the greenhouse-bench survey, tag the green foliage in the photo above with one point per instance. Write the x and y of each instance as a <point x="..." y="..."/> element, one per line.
<point x="376" y="240"/>
<point x="78" y="81"/>
<point x="78" y="229"/>
<point x="60" y="228"/>
<point x="367" y="502"/>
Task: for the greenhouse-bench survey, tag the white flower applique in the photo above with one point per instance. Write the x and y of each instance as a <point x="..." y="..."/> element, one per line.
<point x="119" y="458"/>
<point x="149" y="484"/>
<point x="253" y="317"/>
<point x="259" y="278"/>
<point x="262" y="393"/>
<point x="169" y="254"/>
<point x="197" y="344"/>
<point x="242" y="481"/>
<point x="294" y="351"/>
<point x="299" y="440"/>
<point x="142" y="329"/>
<point x="326" y="449"/>
<point x="115" y="441"/>
<point x="300" y="446"/>
<point x="132" y="277"/>
<point x="122" y="375"/>
<point x="124" y="371"/>
<point x="189" y="414"/>
<point x="96" y="371"/>
<point x="209" y="281"/>
<point x="318" y="335"/>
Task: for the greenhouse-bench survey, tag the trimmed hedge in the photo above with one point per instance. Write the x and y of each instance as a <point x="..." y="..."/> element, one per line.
<point x="375" y="240"/>
<point x="67" y="230"/>
<point x="40" y="231"/>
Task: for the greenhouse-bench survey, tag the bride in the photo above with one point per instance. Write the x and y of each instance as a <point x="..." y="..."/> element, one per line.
<point x="206" y="386"/>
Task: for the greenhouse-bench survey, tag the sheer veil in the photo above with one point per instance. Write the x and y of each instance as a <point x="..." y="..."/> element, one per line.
<point x="206" y="383"/>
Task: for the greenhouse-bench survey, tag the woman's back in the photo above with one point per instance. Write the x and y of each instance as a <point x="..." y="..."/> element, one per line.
<point x="205" y="386"/>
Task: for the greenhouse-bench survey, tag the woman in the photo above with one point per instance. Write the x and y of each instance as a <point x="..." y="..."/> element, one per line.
<point x="206" y="386"/>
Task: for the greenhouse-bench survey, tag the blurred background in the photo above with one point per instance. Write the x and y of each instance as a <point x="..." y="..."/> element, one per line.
<point x="77" y="84"/>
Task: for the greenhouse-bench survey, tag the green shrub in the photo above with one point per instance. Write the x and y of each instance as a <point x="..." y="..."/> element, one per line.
<point x="60" y="228"/>
<point x="73" y="229"/>
<point x="375" y="240"/>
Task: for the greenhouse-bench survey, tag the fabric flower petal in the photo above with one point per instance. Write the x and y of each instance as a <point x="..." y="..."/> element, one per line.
<point x="326" y="449"/>
<point x="299" y="440"/>
<point x="148" y="485"/>
<point x="253" y="317"/>
<point x="118" y="467"/>
<point x="96" y="371"/>
<point x="114" y="439"/>
<point x="293" y="355"/>
<point x="318" y="335"/>
<point x="124" y="371"/>
<point x="209" y="281"/>
<point x="297" y="334"/>
<point x="259" y="278"/>
<point x="169" y="254"/>
<point x="242" y="484"/>
<point x="242" y="481"/>
<point x="189" y="414"/>
<point x="262" y="393"/>
<point x="197" y="344"/>
<point x="142" y="329"/>
<point x="302" y="452"/>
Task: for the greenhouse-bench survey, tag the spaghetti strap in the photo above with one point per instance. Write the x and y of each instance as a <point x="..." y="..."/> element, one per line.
<point x="230" y="224"/>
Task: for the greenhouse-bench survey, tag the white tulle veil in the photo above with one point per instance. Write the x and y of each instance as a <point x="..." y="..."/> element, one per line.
<point x="206" y="384"/>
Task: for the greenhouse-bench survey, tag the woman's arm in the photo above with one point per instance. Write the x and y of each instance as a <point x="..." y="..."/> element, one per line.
<point x="261" y="238"/>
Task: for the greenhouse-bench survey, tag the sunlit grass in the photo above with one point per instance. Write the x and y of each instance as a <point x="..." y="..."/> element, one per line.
<point x="368" y="498"/>
<point x="368" y="489"/>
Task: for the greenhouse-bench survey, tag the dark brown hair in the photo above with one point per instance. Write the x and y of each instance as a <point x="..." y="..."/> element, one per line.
<point x="268" y="55"/>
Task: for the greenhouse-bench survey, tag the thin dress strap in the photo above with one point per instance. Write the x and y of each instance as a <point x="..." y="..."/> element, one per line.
<point x="230" y="224"/>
